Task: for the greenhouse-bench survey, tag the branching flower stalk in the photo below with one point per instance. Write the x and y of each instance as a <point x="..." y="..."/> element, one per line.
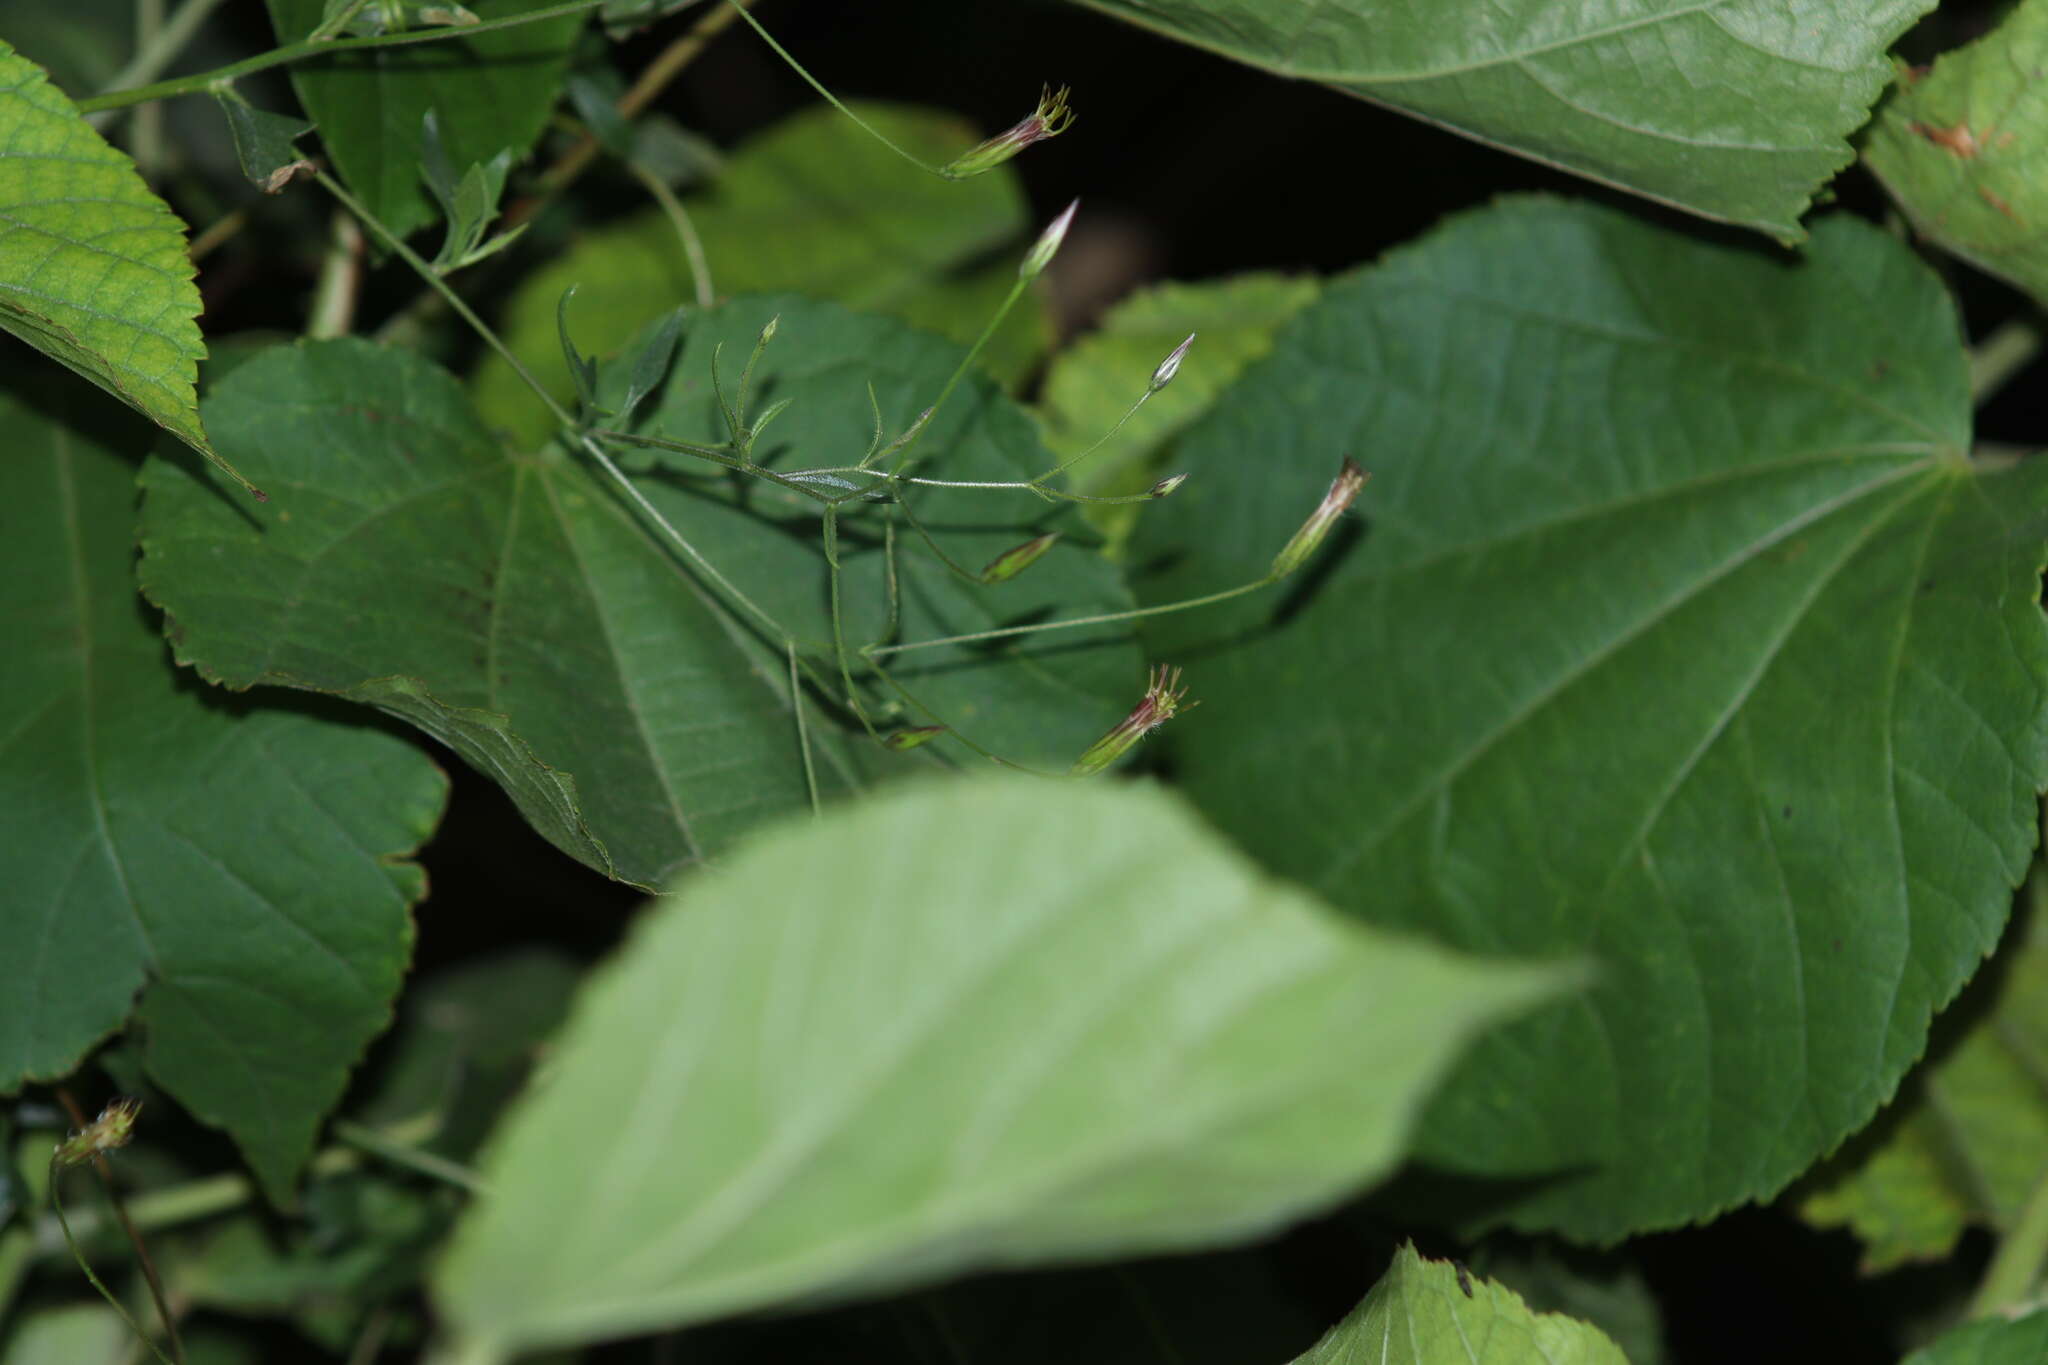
<point x="838" y="488"/>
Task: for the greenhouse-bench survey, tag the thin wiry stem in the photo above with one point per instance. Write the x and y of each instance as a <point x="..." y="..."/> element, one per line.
<point x="300" y="51"/>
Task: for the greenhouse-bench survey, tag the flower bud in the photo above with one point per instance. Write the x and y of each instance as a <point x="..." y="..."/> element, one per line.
<point x="900" y="740"/>
<point x="1161" y="704"/>
<point x="1343" y="491"/>
<point x="1170" y="366"/>
<point x="1168" y="484"/>
<point x="1048" y="244"/>
<point x="1049" y="119"/>
<point x="1017" y="559"/>
<point x="113" y="1128"/>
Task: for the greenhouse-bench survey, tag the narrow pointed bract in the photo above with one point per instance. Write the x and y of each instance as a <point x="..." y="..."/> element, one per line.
<point x="1017" y="559"/>
<point x="1049" y="119"/>
<point x="1343" y="492"/>
<point x="1163" y="701"/>
<point x="900" y="740"/>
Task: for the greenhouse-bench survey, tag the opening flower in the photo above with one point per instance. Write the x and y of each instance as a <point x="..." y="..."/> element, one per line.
<point x="1164" y="699"/>
<point x="1049" y="119"/>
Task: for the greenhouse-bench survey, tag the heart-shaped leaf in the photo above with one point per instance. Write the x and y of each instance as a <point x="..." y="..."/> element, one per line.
<point x="233" y="876"/>
<point x="1681" y="631"/>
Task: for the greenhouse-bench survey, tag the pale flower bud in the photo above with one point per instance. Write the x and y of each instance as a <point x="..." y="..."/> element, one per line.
<point x="1048" y="244"/>
<point x="1168" y="484"/>
<point x="1343" y="492"/>
<point x="1170" y="366"/>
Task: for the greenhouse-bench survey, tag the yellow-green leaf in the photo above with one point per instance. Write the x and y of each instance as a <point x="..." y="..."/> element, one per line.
<point x="93" y="269"/>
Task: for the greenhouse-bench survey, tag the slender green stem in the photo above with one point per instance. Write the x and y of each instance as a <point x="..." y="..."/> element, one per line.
<point x="300" y="51"/>
<point x="831" y="537"/>
<point x="78" y="1255"/>
<point x="960" y="370"/>
<point x="913" y="699"/>
<point x="1100" y="441"/>
<point x="1103" y="618"/>
<point x="434" y="281"/>
<point x="146" y="137"/>
<point x="1027" y="486"/>
<point x="933" y="545"/>
<point x="385" y="1147"/>
<point x="828" y="96"/>
<point x="340" y="282"/>
<point x="341" y="20"/>
<point x="803" y="734"/>
<point x="2003" y="354"/>
<point x="686" y="231"/>
<point x="162" y="47"/>
<point x="2017" y="1266"/>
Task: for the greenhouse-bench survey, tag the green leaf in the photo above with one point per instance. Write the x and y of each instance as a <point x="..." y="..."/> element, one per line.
<point x="1996" y="1341"/>
<point x="1038" y="700"/>
<point x="1736" y="110"/>
<point x="1093" y="382"/>
<point x="960" y="1024"/>
<point x="1966" y="1141"/>
<point x="77" y="1334"/>
<point x="263" y="141"/>
<point x="813" y="205"/>
<point x="93" y="270"/>
<point x="1963" y="150"/>
<point x="1678" y="630"/>
<point x="465" y="1039"/>
<point x="1606" y="1290"/>
<point x="511" y="608"/>
<point x="363" y="1240"/>
<point x="1433" y="1313"/>
<point x="233" y="876"/>
<point x="492" y="93"/>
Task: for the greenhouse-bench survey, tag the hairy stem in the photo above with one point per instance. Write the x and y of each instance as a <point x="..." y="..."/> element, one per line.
<point x="300" y="51"/>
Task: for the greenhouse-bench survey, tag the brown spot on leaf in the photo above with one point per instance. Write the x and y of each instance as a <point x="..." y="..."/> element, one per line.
<point x="1958" y="139"/>
<point x="1999" y="204"/>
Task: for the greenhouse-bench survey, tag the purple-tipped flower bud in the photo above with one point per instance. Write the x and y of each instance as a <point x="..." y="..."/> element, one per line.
<point x="1170" y="366"/>
<point x="1048" y="244"/>
<point x="1017" y="559"/>
<point x="1162" y="703"/>
<point x="900" y="740"/>
<point x="1168" y="484"/>
<point x="1343" y="492"/>
<point x="113" y="1128"/>
<point x="1049" y="119"/>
